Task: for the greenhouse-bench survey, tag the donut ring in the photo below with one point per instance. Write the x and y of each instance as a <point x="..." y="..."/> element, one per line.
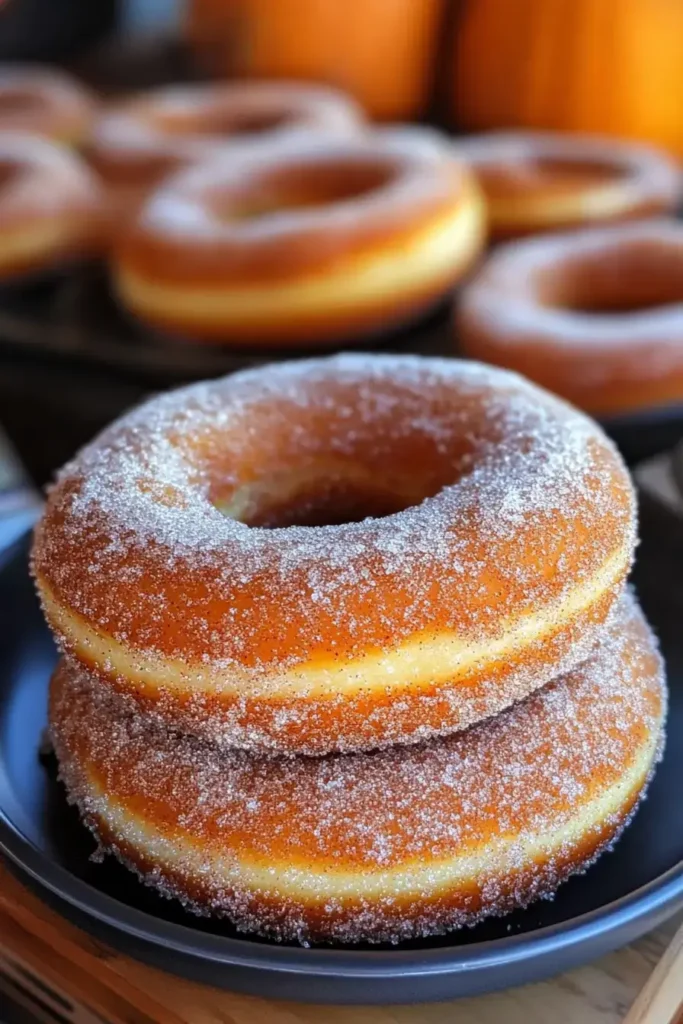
<point x="538" y="181"/>
<point x="305" y="242"/>
<point x="382" y="846"/>
<point x="507" y="532"/>
<point x="51" y="207"/>
<point x="44" y="101"/>
<point x="139" y="142"/>
<point x="595" y="316"/>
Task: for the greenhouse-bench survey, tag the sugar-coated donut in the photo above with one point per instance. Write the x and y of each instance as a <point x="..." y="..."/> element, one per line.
<point x="503" y="529"/>
<point x="596" y="316"/>
<point x="540" y="181"/>
<point x="304" y="242"/>
<point x="51" y="207"/>
<point x="44" y="101"/>
<point x="138" y="142"/>
<point x="379" y="846"/>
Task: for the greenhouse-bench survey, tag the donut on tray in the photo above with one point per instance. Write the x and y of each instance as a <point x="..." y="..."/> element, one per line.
<point x="51" y="208"/>
<point x="595" y="316"/>
<point x="141" y="140"/>
<point x="381" y="846"/>
<point x="45" y="101"/>
<point x="540" y="181"/>
<point x="211" y="554"/>
<point x="304" y="242"/>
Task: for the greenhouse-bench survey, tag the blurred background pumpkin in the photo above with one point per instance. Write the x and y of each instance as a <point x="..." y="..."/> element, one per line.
<point x="608" y="66"/>
<point x="381" y="51"/>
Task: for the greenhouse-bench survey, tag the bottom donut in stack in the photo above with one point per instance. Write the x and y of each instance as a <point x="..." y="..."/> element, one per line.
<point x="377" y="846"/>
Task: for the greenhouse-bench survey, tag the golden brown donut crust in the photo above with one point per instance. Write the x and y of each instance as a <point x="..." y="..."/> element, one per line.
<point x="540" y="181"/>
<point x="503" y="531"/>
<point x="45" y="101"/>
<point x="381" y="846"/>
<point x="594" y="316"/>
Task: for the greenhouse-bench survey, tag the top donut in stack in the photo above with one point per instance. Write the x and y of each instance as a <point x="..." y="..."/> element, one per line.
<point x="502" y="529"/>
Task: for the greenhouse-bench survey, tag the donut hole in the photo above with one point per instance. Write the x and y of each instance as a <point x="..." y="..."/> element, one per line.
<point x="18" y="102"/>
<point x="8" y="173"/>
<point x="301" y="188"/>
<point x="548" y="173"/>
<point x="250" y="122"/>
<point x="183" y="120"/>
<point x="343" y="454"/>
<point x="327" y="492"/>
<point x="328" y="503"/>
<point x="617" y="281"/>
<point x="616" y="305"/>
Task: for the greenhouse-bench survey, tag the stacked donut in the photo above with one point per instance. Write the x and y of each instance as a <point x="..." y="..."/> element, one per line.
<point x="347" y="653"/>
<point x="592" y="310"/>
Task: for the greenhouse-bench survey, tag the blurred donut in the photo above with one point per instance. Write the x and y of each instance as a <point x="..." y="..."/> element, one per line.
<point x="538" y="181"/>
<point x="44" y="101"/>
<point x="595" y="316"/>
<point x="51" y="207"/>
<point x="303" y="243"/>
<point x="140" y="141"/>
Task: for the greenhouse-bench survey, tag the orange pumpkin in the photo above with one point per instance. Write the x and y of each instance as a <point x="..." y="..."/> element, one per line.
<point x="380" y="51"/>
<point x="608" y="66"/>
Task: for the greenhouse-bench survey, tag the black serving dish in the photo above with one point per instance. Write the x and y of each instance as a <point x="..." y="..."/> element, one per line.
<point x="626" y="893"/>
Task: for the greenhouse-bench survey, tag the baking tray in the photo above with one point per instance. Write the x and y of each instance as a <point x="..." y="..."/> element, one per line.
<point x="77" y="320"/>
<point x="625" y="894"/>
<point x="74" y="326"/>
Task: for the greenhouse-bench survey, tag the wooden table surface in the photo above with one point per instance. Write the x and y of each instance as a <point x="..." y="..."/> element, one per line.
<point x="126" y="992"/>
